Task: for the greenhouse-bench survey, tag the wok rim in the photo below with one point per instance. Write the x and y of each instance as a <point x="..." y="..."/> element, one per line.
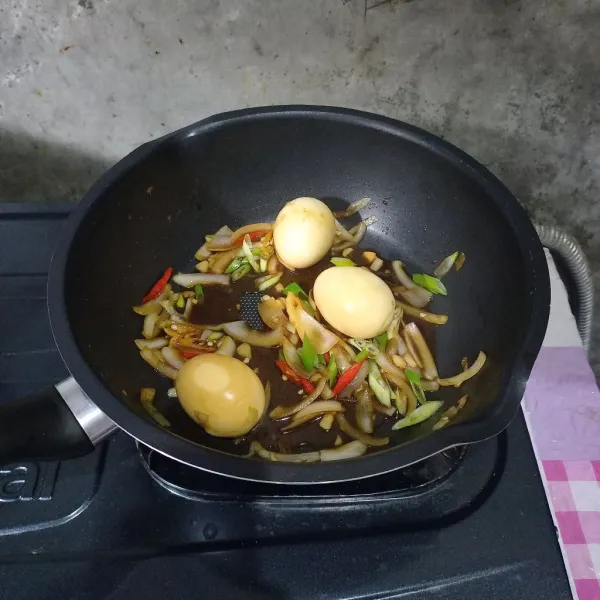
<point x="220" y="463"/>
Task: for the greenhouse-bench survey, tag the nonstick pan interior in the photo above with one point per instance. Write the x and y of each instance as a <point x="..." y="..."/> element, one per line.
<point x="430" y="200"/>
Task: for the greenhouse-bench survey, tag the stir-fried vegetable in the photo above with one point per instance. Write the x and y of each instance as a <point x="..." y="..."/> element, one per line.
<point x="308" y="354"/>
<point x="378" y="385"/>
<point x="159" y="286"/>
<point x="332" y="371"/>
<point x="414" y="379"/>
<point x="424" y="315"/>
<point x="346" y="380"/>
<point x="340" y="261"/>
<point x="459" y="379"/>
<point x="147" y="396"/>
<point x="445" y="265"/>
<point x="347" y="377"/>
<point x="420" y="414"/>
<point x="288" y="372"/>
<point x="431" y="284"/>
<point x="296" y="289"/>
<point x="281" y="412"/>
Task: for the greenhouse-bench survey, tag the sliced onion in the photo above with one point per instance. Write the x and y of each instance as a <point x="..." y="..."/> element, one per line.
<point x="189" y="307"/>
<point x="202" y="253"/>
<point x="240" y="332"/>
<point x="281" y="412"/>
<point x="353" y="208"/>
<point x="189" y="280"/>
<point x="424" y="315"/>
<point x="459" y="379"/>
<point x="359" y="232"/>
<point x="310" y="412"/>
<point x="342" y="233"/>
<point x="430" y="386"/>
<point x="178" y="329"/>
<point x="341" y="359"/>
<point x="410" y="344"/>
<point x="154" y="359"/>
<point x="223" y="260"/>
<point x="153" y="306"/>
<point x="349" y="450"/>
<point x="150" y="328"/>
<point x="405" y="389"/>
<point x="387" y="365"/>
<point x="242" y="231"/>
<point x="345" y="451"/>
<point x="429" y="368"/>
<point x="220" y="243"/>
<point x="418" y="299"/>
<point x="305" y="457"/>
<point x="226" y="346"/>
<point x="401" y="402"/>
<point x="354" y="433"/>
<point x="414" y="294"/>
<point x="271" y="313"/>
<point x="321" y="338"/>
<point x="293" y="359"/>
<point x="273" y="265"/>
<point x="388" y="411"/>
<point x="364" y="409"/>
<point x="376" y="264"/>
<point x="173" y="357"/>
<point x="156" y="343"/>
<point x="445" y="265"/>
<point x="168" y="306"/>
<point x="356" y="382"/>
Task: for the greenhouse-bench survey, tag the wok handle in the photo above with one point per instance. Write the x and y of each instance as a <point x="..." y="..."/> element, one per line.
<point x="57" y="423"/>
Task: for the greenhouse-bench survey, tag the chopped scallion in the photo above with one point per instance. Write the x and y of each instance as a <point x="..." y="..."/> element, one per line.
<point x="361" y="355"/>
<point x="295" y="289"/>
<point x="199" y="291"/>
<point x="340" y="261"/>
<point x="308" y="354"/>
<point x="415" y="383"/>
<point x="431" y="284"/>
<point x="332" y="370"/>
<point x="382" y="340"/>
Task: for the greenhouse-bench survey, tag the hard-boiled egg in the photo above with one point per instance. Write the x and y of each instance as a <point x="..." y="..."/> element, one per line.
<point x="303" y="232"/>
<point x="221" y="394"/>
<point x="354" y="301"/>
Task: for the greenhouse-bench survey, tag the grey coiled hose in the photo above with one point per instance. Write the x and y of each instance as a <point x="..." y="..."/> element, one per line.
<point x="573" y="258"/>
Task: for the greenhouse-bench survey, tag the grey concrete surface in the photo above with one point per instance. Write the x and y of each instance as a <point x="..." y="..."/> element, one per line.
<point x="514" y="83"/>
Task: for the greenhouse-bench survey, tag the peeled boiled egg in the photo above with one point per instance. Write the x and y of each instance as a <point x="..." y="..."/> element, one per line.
<point x="354" y="301"/>
<point x="303" y="232"/>
<point x="220" y="393"/>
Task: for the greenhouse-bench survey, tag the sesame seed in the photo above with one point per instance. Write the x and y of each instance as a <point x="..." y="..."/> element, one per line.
<point x="209" y="343"/>
<point x="284" y="378"/>
<point x="246" y="361"/>
<point x="299" y="392"/>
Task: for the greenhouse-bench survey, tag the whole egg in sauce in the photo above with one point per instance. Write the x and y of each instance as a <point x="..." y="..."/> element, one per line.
<point x="221" y="394"/>
<point x="354" y="301"/>
<point x="303" y="232"/>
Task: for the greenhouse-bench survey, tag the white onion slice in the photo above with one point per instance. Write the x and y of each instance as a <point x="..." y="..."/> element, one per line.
<point x="189" y="280"/>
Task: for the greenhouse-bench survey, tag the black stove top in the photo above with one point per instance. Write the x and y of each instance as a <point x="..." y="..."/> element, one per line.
<point x="126" y="522"/>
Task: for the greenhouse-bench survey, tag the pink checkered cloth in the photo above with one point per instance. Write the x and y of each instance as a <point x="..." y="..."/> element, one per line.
<point x="562" y="410"/>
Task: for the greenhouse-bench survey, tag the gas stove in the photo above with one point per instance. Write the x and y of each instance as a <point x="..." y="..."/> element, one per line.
<point x="126" y="522"/>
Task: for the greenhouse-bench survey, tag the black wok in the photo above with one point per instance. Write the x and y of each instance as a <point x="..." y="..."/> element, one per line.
<point x="152" y="210"/>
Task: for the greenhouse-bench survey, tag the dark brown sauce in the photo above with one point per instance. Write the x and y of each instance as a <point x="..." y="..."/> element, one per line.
<point x="220" y="305"/>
